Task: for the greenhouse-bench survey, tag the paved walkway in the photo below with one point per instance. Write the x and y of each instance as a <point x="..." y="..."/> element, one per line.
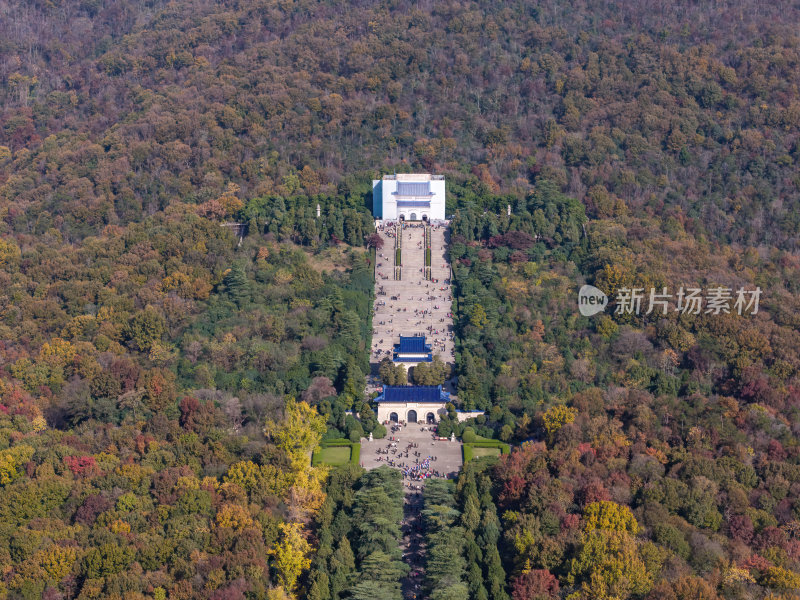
<point x="413" y="305"/>
<point x="413" y="545"/>
<point x="407" y="446"/>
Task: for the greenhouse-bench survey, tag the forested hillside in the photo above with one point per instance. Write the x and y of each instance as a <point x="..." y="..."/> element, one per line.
<point x="115" y="109"/>
<point x="162" y="383"/>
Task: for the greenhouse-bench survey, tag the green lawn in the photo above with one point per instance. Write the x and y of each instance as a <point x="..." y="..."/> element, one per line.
<point x="478" y="452"/>
<point x="335" y="455"/>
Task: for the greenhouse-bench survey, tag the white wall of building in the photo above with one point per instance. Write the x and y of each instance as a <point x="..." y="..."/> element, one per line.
<point x="402" y="409"/>
<point x="438" y="200"/>
<point x="423" y="408"/>
<point x="384" y="199"/>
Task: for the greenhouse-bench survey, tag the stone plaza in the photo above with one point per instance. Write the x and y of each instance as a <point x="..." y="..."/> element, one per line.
<point x="412" y="305"/>
<point x="448" y="454"/>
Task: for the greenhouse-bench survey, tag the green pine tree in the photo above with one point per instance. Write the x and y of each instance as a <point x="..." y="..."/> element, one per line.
<point x="342" y="567"/>
<point x="237" y="284"/>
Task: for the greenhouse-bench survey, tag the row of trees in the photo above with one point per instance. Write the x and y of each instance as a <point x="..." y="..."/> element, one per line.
<point x="445" y="565"/>
<point x="462" y="535"/>
<point x="434" y="373"/>
<point x="342" y="219"/>
<point x="359" y="553"/>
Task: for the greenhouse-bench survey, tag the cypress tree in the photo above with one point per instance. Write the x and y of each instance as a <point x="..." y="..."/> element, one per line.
<point x="237" y="284"/>
<point x="495" y="575"/>
<point x="342" y="566"/>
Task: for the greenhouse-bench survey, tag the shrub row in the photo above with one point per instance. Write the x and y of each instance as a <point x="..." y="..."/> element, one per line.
<point x="335" y="442"/>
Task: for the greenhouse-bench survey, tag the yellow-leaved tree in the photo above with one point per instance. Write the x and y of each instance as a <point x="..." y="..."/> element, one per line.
<point x="299" y="432"/>
<point x="291" y="556"/>
<point x="557" y="416"/>
<point x="609" y="565"/>
<point x="277" y="593"/>
<point x="9" y="251"/>
<point x="297" y="435"/>
<point x="609" y="516"/>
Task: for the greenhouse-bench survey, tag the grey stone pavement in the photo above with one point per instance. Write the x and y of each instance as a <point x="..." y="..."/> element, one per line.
<point x="419" y="307"/>
<point x="448" y="457"/>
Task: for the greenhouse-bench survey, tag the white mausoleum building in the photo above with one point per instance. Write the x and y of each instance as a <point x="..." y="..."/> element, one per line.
<point x="409" y="197"/>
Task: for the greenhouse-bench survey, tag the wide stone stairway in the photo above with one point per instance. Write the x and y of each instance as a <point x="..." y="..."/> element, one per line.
<point x="412" y="305"/>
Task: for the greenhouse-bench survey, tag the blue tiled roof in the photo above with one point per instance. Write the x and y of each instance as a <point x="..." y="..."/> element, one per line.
<point x="416" y="358"/>
<point x="412" y="345"/>
<point x="411" y="203"/>
<point x="413" y="393"/>
<point x="408" y="188"/>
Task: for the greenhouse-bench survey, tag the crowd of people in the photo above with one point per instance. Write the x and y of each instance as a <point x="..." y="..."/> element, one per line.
<point x="420" y="470"/>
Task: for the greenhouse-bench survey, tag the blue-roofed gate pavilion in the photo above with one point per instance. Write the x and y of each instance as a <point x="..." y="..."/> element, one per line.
<point x="412" y="403"/>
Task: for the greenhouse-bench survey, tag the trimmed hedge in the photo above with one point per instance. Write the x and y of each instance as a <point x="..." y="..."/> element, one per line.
<point x="427" y="257"/>
<point x="468" y="436"/>
<point x="468" y="448"/>
<point x="397" y="257"/>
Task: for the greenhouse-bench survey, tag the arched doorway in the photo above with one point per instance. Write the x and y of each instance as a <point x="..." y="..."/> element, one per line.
<point x="425" y="217"/>
<point x="402" y="217"/>
<point x="393" y="417"/>
<point x="412" y="416"/>
<point x="430" y="418"/>
<point x="413" y="217"/>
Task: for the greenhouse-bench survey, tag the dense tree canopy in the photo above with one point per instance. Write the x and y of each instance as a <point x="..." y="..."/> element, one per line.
<point x="168" y="295"/>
